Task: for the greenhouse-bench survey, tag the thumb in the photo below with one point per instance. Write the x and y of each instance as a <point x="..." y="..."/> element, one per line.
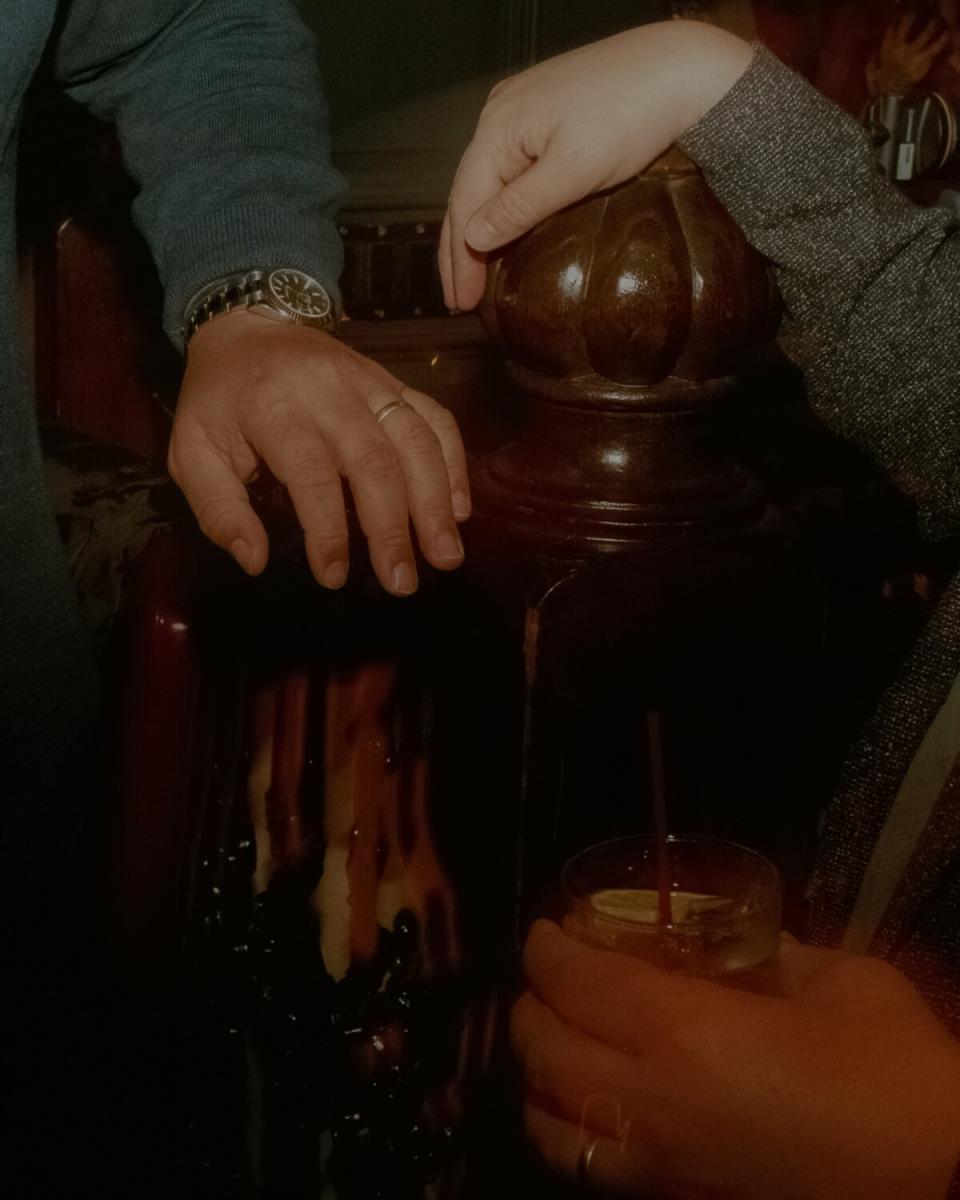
<point x="220" y="503"/>
<point x="520" y="204"/>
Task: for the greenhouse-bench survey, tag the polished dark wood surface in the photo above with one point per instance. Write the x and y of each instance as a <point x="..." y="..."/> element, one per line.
<point x="622" y="321"/>
<point x="649" y="281"/>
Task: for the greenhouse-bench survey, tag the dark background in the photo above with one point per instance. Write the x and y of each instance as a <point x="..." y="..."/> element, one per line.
<point x="375" y="54"/>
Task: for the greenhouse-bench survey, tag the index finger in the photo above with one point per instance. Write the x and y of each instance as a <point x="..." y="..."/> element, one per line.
<point x="497" y="198"/>
<point x="639" y="1001"/>
<point x="462" y="268"/>
<point x="472" y="275"/>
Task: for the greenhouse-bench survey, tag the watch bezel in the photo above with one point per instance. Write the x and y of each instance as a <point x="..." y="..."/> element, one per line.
<point x="308" y="285"/>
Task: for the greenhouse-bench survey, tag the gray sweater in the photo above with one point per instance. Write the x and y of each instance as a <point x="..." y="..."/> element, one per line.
<point x="871" y="287"/>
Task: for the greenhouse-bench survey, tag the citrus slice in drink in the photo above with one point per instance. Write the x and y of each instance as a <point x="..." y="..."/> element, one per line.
<point x="641" y="905"/>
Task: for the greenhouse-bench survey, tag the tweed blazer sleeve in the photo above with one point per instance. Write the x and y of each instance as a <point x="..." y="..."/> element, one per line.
<point x="870" y="282"/>
<point x="223" y="126"/>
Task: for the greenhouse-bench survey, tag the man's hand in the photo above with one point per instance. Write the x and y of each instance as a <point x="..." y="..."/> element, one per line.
<point x="263" y="391"/>
<point x="574" y="125"/>
<point x="846" y="1087"/>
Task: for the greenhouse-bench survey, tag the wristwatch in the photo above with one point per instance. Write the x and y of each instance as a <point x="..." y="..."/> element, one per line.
<point x="283" y="293"/>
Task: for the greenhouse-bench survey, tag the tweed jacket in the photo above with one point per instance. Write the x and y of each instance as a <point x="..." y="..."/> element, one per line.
<point x="871" y="289"/>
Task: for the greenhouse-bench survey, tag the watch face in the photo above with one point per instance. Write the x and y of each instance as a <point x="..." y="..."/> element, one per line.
<point x="303" y="296"/>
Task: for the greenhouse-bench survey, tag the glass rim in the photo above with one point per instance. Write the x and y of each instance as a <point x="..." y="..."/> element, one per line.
<point x="770" y="877"/>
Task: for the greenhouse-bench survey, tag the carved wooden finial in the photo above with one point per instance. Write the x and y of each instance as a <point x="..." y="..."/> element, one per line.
<point x="622" y="320"/>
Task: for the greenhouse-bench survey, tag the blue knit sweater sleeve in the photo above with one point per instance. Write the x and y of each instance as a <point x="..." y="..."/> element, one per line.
<point x="223" y="126"/>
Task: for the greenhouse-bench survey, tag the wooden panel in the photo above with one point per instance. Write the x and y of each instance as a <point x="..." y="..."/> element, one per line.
<point x="113" y="374"/>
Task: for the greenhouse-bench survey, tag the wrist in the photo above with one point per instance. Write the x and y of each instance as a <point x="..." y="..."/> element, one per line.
<point x="243" y="327"/>
<point x="710" y="62"/>
<point x="284" y="294"/>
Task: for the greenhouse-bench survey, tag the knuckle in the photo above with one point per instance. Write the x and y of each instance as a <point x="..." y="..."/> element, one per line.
<point x="572" y="977"/>
<point x="268" y="384"/>
<point x="214" y="518"/>
<point x="682" y="1040"/>
<point x="444" y="423"/>
<point x="394" y="538"/>
<point x="273" y="410"/>
<point x="434" y="510"/>
<point x="346" y="418"/>
<point x="866" y="975"/>
<point x="331" y="538"/>
<point x="420" y="439"/>
<point x="513" y="208"/>
<point x="311" y="470"/>
<point x="534" y="1058"/>
<point x="376" y="462"/>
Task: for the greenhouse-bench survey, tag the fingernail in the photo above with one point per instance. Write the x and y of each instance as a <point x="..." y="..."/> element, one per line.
<point x="461" y="505"/>
<point x="480" y="235"/>
<point x="335" y="576"/>
<point x="403" y="581"/>
<point x="449" y="545"/>
<point x="241" y="552"/>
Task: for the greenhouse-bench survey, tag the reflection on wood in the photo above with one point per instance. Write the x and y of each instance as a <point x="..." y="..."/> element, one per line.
<point x="409" y="1039"/>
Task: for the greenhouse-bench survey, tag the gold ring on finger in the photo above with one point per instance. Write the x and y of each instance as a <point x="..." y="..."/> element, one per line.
<point x="382" y="413"/>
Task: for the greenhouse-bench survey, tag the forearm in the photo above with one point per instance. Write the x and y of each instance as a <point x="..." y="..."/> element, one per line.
<point x="223" y="126"/>
<point x="869" y="281"/>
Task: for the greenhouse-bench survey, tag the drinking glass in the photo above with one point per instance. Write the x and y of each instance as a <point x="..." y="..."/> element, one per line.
<point x="700" y="906"/>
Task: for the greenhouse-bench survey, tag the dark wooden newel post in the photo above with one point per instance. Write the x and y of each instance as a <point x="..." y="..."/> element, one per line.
<point x="623" y="321"/>
<point x="645" y="564"/>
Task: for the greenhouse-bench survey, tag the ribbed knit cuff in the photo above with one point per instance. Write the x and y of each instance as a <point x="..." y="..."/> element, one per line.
<point x="246" y="238"/>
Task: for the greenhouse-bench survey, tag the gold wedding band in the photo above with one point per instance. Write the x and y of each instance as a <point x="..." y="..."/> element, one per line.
<point x="584" y="1158"/>
<point x="382" y="413"/>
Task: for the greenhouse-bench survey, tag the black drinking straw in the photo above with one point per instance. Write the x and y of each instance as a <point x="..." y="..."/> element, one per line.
<point x="655" y="742"/>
